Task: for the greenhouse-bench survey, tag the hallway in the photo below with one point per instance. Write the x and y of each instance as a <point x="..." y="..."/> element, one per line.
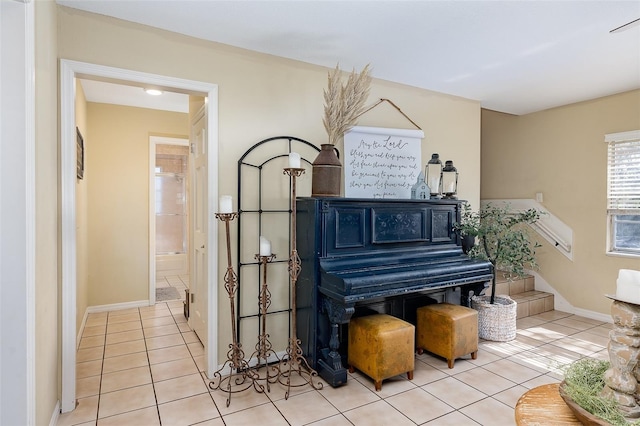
<point x="143" y="366"/>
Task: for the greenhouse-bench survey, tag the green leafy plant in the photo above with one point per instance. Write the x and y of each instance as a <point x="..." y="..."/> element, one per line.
<point x="502" y="238"/>
<point x="583" y="383"/>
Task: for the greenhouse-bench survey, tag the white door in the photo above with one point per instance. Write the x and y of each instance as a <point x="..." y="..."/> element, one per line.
<point x="199" y="228"/>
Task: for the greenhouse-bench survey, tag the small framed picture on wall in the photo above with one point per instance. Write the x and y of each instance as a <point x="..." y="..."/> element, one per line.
<point x="79" y="155"/>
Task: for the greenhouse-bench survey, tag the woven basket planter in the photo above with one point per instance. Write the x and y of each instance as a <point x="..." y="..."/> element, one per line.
<point x="496" y="322"/>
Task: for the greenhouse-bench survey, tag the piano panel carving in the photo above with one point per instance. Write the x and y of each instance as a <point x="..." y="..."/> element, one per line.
<point x="350" y="228"/>
<point x="391" y="225"/>
<point x="387" y="256"/>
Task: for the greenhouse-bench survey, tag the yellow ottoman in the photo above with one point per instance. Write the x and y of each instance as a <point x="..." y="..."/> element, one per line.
<point x="381" y="346"/>
<point x="448" y="330"/>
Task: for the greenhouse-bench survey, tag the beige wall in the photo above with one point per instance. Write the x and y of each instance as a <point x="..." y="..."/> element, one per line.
<point x="262" y="96"/>
<point x="82" y="249"/>
<point x="117" y="165"/>
<point x="47" y="339"/>
<point x="561" y="153"/>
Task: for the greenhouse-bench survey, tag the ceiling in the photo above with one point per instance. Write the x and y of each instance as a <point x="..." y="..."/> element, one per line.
<point x="512" y="56"/>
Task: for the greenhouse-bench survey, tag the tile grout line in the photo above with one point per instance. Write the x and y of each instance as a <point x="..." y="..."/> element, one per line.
<point x="104" y="350"/>
<point x="153" y="385"/>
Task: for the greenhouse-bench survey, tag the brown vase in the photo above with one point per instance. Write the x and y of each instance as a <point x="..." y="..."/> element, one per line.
<point x="327" y="172"/>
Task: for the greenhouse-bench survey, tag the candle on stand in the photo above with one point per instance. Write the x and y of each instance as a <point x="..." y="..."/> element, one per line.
<point x="226" y="204"/>
<point x="265" y="246"/>
<point x="294" y="160"/>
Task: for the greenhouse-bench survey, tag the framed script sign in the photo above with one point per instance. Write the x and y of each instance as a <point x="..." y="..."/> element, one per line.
<point x="380" y="162"/>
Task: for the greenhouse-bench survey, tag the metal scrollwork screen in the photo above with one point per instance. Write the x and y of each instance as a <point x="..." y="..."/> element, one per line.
<point x="264" y="200"/>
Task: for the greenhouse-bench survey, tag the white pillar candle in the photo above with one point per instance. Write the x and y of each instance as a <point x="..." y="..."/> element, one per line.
<point x="449" y="185"/>
<point x="294" y="160"/>
<point x="434" y="185"/>
<point x="265" y="246"/>
<point x="226" y="204"/>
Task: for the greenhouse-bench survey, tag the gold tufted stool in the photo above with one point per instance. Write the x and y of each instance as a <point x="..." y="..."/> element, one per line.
<point x="381" y="346"/>
<point x="448" y="330"/>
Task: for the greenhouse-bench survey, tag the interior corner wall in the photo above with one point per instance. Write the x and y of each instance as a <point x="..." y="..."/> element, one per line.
<point x="561" y="152"/>
<point x="82" y="266"/>
<point x="47" y="321"/>
<point x="262" y="96"/>
<point x="117" y="166"/>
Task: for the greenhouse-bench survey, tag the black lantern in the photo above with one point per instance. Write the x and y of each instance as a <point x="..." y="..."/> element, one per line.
<point x="434" y="174"/>
<point x="449" y="180"/>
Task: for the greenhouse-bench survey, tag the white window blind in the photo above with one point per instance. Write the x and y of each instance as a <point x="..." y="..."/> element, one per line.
<point x="623" y="172"/>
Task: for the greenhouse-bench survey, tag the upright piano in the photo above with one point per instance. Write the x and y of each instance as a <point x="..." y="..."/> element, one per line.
<point x="362" y="256"/>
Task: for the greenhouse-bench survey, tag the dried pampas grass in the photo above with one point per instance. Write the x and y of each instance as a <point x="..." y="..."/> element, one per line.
<point x="343" y="104"/>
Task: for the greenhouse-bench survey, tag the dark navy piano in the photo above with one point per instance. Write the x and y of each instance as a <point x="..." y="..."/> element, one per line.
<point x="362" y="256"/>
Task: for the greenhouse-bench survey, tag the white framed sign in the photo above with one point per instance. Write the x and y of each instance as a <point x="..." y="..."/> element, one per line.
<point x="381" y="162"/>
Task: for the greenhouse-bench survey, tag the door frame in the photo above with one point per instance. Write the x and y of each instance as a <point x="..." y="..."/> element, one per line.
<point x="69" y="71"/>
<point x="153" y="141"/>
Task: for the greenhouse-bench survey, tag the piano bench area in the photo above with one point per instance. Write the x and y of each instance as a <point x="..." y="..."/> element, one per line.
<point x="381" y="346"/>
<point x="447" y="330"/>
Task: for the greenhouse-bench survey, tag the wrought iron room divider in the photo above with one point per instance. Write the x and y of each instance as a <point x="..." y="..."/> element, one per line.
<point x="264" y="202"/>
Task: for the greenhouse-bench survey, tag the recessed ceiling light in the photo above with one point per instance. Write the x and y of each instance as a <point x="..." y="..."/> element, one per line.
<point x="153" y="92"/>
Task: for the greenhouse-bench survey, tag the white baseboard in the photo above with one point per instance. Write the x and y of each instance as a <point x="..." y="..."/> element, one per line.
<point x="56" y="414"/>
<point x="81" y="329"/>
<point x="118" y="306"/>
<point x="593" y="315"/>
<point x="561" y="304"/>
<point x="104" y="308"/>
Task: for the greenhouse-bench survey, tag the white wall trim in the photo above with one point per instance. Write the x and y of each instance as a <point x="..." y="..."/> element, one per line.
<point x="632" y="135"/>
<point x="69" y="71"/>
<point x="593" y="315"/>
<point x="17" y="213"/>
<point x="30" y="187"/>
<point x="117" y="306"/>
<point x="561" y="304"/>
<point x="55" y="415"/>
<point x="106" y="308"/>
<point x="549" y="226"/>
<point x="153" y="141"/>
<point x="68" y="229"/>
<point x="81" y="328"/>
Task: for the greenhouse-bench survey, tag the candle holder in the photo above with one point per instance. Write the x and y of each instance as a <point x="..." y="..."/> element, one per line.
<point x="241" y="376"/>
<point x="293" y="362"/>
<point x="263" y="350"/>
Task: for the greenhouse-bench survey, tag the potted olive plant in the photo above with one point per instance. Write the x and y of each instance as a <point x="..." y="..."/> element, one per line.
<point x="503" y="239"/>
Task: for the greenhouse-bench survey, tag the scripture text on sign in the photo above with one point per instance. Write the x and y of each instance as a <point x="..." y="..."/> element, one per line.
<point x="381" y="163"/>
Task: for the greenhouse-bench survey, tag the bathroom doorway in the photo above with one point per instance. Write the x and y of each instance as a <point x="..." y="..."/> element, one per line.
<point x="169" y="219"/>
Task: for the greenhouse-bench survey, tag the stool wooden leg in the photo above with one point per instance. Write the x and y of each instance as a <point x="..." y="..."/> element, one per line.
<point x="378" y="384"/>
<point x="410" y="375"/>
<point x="474" y="355"/>
<point x="450" y="362"/>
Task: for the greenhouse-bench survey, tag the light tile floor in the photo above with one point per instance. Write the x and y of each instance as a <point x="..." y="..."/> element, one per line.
<point x="143" y="366"/>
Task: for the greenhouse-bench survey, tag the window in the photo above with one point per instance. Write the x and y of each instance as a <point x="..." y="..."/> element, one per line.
<point x="623" y="192"/>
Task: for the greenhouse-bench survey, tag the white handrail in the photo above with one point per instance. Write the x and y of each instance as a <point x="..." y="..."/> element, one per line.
<point x="552" y="229"/>
<point x="543" y="229"/>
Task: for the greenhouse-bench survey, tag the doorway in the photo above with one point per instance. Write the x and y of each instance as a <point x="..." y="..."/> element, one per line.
<point x="69" y="71"/>
<point x="168" y="218"/>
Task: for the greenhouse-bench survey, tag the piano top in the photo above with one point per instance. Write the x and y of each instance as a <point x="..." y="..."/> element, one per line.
<point x="376" y="248"/>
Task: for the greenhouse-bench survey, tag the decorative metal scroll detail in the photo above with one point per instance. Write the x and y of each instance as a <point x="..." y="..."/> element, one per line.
<point x="241" y="377"/>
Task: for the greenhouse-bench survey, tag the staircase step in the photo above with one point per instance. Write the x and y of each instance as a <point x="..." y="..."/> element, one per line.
<point x="530" y="302"/>
<point x="533" y="303"/>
